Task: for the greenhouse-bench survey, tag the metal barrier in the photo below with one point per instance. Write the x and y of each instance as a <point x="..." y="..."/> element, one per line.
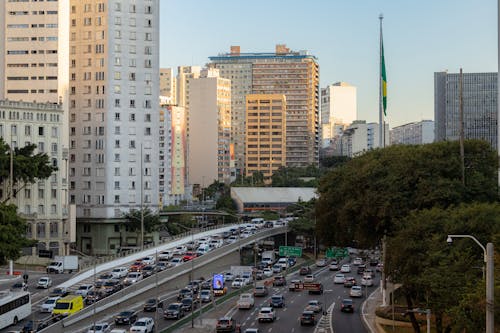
<point x="165" y="276"/>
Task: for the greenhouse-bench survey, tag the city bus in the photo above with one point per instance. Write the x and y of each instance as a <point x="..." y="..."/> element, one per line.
<point x="14" y="307"/>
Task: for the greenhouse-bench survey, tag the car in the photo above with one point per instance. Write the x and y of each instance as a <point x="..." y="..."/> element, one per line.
<point x="347" y="305"/>
<point x="205" y="296"/>
<point x="132" y="277"/>
<point x="259" y="274"/>
<point x="167" y="254"/>
<point x="189" y="255"/>
<point x="349" y="282"/>
<point x="126" y="317"/>
<point x="357" y="261"/>
<point x="356" y="291"/>
<point x="345" y="268"/>
<point x="19" y="286"/>
<point x="176" y="261"/>
<point x="84" y="289"/>
<point x="180" y="250"/>
<point x="279" y="280"/>
<point x="59" y="291"/>
<point x="283" y="262"/>
<point x="252" y="330"/>
<point x="225" y="324"/>
<point x="361" y="269"/>
<point x="260" y="291"/>
<point x="367" y="280"/>
<point x="277" y="301"/>
<point x="309" y="278"/>
<point x="118" y="330"/>
<point x="369" y="271"/>
<point x="173" y="311"/>
<point x="162" y="265"/>
<point x="206" y="284"/>
<point x="314" y="305"/>
<point x="339" y="278"/>
<point x="228" y="276"/>
<point x="380" y="267"/>
<point x="246" y="301"/>
<point x="44" y="282"/>
<point x="188" y="305"/>
<point x="194" y="285"/>
<point x="277" y="268"/>
<point x="152" y="304"/>
<point x="305" y="270"/>
<point x="238" y="283"/>
<point x="143" y="325"/>
<point x="247" y="277"/>
<point x="321" y="262"/>
<point x="266" y="314"/>
<point x="104" y="277"/>
<point x="148" y="260"/>
<point x="119" y="272"/>
<point x="99" y="328"/>
<point x="295" y="285"/>
<point x="307" y="318"/>
<point x="232" y="239"/>
<point x="334" y="266"/>
<point x="93" y="296"/>
<point x="148" y="270"/>
<point x="373" y="262"/>
<point x="137" y="266"/>
<point x="267" y="272"/>
<point x="49" y="304"/>
<point x="292" y="261"/>
<point x="183" y="293"/>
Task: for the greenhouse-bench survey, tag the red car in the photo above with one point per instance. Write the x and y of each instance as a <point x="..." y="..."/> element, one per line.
<point x="137" y="266"/>
<point x="189" y="256"/>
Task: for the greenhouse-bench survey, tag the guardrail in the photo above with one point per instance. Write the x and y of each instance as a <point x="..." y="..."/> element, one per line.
<point x="163" y="277"/>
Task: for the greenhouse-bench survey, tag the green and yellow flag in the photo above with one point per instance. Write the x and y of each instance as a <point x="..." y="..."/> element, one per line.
<point x="383" y="77"/>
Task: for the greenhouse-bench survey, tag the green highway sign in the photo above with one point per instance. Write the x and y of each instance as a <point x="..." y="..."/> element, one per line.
<point x="337" y="252"/>
<point x="290" y="251"/>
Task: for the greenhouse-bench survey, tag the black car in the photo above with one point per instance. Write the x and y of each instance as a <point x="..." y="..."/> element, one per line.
<point x="277" y="301"/>
<point x="152" y="304"/>
<point x="126" y="317"/>
<point x="183" y="293"/>
<point x="205" y="285"/>
<point x="111" y="286"/>
<point x="347" y="305"/>
<point x="373" y="262"/>
<point x="174" y="311"/>
<point x="307" y="318"/>
<point x="188" y="305"/>
<point x="148" y="270"/>
<point x="361" y="269"/>
<point x="93" y="296"/>
<point x="279" y="280"/>
<point x="305" y="270"/>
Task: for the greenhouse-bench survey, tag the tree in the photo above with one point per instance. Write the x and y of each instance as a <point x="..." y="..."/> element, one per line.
<point x="27" y="166"/>
<point x="12" y="234"/>
<point x="296" y="177"/>
<point x="366" y="197"/>
<point x="151" y="221"/>
<point x="255" y="180"/>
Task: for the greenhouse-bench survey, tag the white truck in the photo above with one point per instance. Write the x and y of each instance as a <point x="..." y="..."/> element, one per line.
<point x="268" y="257"/>
<point x="63" y="264"/>
<point x="246" y="301"/>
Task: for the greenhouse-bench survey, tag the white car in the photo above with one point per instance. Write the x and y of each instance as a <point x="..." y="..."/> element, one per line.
<point x="321" y="262"/>
<point x="228" y="276"/>
<point x="119" y="272"/>
<point x="149" y="260"/>
<point x="345" y="268"/>
<point x="356" y="291"/>
<point x="246" y="234"/>
<point x="277" y="268"/>
<point x="44" y="282"/>
<point x="176" y="261"/>
<point x="180" y="250"/>
<point x="49" y="304"/>
<point x="309" y="278"/>
<point x="132" y="278"/>
<point x="266" y="314"/>
<point x="99" y="328"/>
<point x="84" y="289"/>
<point x="247" y="277"/>
<point x="238" y="283"/>
<point x="357" y="261"/>
<point x="283" y="262"/>
<point x="168" y="254"/>
<point x="232" y="239"/>
<point x="339" y="278"/>
<point x="143" y="325"/>
<point x="267" y="272"/>
<point x="333" y="266"/>
<point x="367" y="281"/>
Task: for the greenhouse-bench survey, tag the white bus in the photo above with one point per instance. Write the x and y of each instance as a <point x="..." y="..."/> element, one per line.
<point x="14" y="307"/>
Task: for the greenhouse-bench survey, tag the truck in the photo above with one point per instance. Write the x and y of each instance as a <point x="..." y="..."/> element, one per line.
<point x="268" y="257"/>
<point x="246" y="301"/>
<point x="63" y="264"/>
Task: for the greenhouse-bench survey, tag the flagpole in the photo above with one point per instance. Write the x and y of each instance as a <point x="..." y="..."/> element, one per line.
<point x="380" y="111"/>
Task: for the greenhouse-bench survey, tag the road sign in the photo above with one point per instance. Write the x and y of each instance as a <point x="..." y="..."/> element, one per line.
<point x="336" y="252"/>
<point x="290" y="251"/>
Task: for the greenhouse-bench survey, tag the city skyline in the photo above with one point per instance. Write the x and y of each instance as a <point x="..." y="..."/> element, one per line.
<point x="419" y="39"/>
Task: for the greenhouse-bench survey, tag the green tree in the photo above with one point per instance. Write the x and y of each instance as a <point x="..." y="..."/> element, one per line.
<point x="151" y="221"/>
<point x="27" y="166"/>
<point x="12" y="234"/>
<point x="255" y="180"/>
<point x="364" y="198"/>
<point x="333" y="161"/>
<point x="296" y="177"/>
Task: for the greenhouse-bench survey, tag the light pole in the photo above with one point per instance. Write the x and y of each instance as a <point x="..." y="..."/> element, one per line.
<point x="488" y="254"/>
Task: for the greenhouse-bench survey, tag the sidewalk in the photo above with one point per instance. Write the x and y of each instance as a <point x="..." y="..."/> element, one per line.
<point x="368" y="310"/>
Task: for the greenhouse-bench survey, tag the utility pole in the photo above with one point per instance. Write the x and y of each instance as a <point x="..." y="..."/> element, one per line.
<point x="461" y="124"/>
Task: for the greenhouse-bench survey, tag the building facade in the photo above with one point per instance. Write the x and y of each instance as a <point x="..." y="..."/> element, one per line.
<point x="168" y="85"/>
<point x="415" y="133"/>
<point x="113" y="106"/>
<point x="209" y="129"/>
<point x="360" y="137"/>
<point x="294" y="74"/>
<point x="265" y="134"/>
<point x="44" y="203"/>
<point x="479" y="106"/>
<point x="338" y="107"/>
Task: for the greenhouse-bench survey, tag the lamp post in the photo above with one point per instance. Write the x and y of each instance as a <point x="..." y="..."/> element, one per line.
<point x="488" y="255"/>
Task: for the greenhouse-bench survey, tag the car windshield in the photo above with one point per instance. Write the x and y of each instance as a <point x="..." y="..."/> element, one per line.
<point x="173" y="307"/>
<point x="276" y="298"/>
<point x="50" y="301"/>
<point x="62" y="306"/>
<point x="125" y="313"/>
<point x="140" y="323"/>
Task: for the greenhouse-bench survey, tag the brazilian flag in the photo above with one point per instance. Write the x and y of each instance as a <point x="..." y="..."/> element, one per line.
<point x="383" y="78"/>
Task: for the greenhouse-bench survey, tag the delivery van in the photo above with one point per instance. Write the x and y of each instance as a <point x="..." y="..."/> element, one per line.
<point x="68" y="305"/>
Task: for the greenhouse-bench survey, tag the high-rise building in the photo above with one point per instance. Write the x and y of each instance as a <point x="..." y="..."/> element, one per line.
<point x="209" y="129"/>
<point x="114" y="116"/>
<point x="415" y="133"/>
<point x="44" y="204"/>
<point x="184" y="74"/>
<point x="360" y="137"/>
<point x="479" y="106"/>
<point x="294" y="74"/>
<point x="265" y="134"/>
<point x="168" y="85"/>
<point x="338" y="107"/>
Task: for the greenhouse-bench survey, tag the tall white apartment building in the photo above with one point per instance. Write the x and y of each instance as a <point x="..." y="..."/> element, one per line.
<point x="113" y="106"/>
<point x="168" y="85"/>
<point x="479" y="106"/>
<point x="44" y="204"/>
<point x="338" y="107"/>
<point x="415" y="133"/>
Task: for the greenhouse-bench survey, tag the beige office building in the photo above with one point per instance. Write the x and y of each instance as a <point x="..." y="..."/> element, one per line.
<point x="168" y="85"/>
<point x="209" y="129"/>
<point x="184" y="75"/>
<point x="265" y="134"/>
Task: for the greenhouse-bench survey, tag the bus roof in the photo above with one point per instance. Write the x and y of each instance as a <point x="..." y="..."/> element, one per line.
<point x="7" y="295"/>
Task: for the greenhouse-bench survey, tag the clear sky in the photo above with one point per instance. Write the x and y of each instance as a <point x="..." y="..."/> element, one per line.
<point x="420" y="38"/>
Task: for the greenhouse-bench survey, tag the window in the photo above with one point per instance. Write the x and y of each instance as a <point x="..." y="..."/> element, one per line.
<point x="27" y="130"/>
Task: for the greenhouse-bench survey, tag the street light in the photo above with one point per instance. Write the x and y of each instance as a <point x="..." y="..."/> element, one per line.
<point x="488" y="256"/>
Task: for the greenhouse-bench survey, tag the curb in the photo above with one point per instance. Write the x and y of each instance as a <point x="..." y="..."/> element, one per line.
<point x="365" y="321"/>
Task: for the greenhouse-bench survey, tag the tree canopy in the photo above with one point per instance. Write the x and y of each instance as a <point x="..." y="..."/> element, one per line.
<point x="151" y="220"/>
<point x="12" y="234"/>
<point x="365" y="198"/>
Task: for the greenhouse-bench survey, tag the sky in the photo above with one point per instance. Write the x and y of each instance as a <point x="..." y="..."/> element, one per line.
<point x="420" y="38"/>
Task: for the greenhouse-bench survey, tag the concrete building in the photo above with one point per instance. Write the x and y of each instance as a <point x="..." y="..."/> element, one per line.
<point x="44" y="204"/>
<point x="184" y="74"/>
<point x="168" y="85"/>
<point x="114" y="116"/>
<point x="257" y="199"/>
<point x="360" y="137"/>
<point x="294" y="74"/>
<point x="479" y="106"/>
<point x="265" y="134"/>
<point x="415" y="133"/>
<point x="338" y="107"/>
<point x="209" y="134"/>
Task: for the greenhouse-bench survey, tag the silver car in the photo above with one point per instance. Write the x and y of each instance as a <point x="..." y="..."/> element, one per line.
<point x="356" y="291"/>
<point x="49" y="304"/>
